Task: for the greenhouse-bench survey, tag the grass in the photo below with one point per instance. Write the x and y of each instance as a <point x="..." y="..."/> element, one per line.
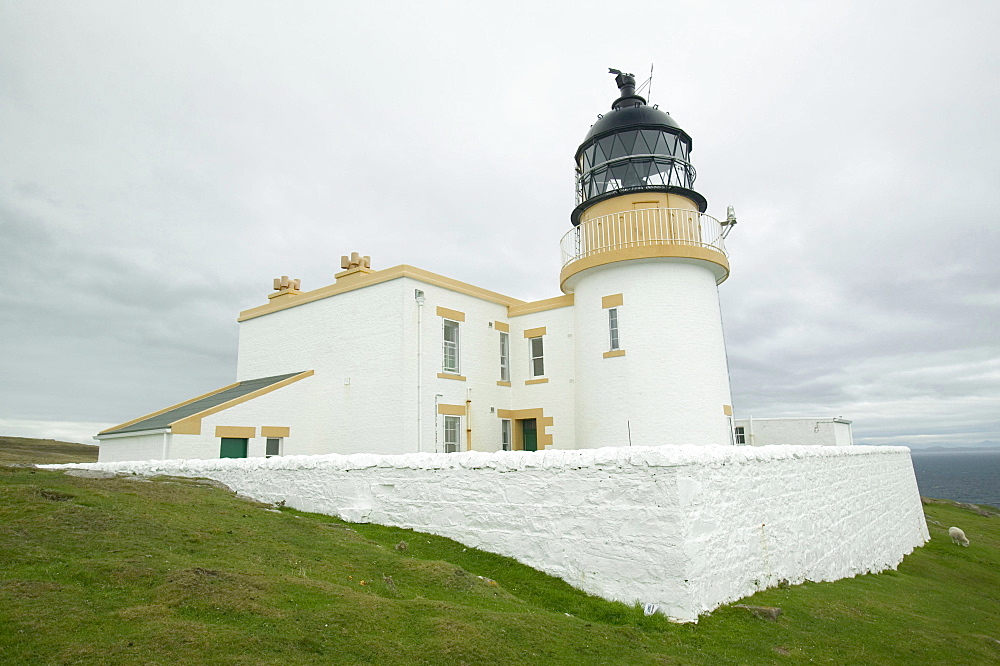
<point x="127" y="570"/>
<point x="14" y="450"/>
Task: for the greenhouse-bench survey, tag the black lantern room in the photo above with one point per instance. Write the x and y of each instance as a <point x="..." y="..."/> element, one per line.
<point x="633" y="148"/>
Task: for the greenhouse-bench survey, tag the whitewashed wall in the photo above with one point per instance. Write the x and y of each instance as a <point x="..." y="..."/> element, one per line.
<point x="688" y="528"/>
<point x="672" y="383"/>
<point x="133" y="447"/>
<point x="779" y="431"/>
<point x="479" y="361"/>
<point x="557" y="395"/>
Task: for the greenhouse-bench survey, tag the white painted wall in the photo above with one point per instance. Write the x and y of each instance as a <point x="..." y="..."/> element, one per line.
<point x="479" y="360"/>
<point x="133" y="447"/>
<point x="557" y="396"/>
<point x="370" y="337"/>
<point x="797" y="431"/>
<point x="686" y="527"/>
<point x="354" y="342"/>
<point x="672" y="383"/>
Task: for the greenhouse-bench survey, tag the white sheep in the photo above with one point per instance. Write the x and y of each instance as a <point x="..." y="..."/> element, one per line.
<point x="958" y="536"/>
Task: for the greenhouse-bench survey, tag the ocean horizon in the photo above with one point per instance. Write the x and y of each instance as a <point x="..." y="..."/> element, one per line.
<point x="963" y="476"/>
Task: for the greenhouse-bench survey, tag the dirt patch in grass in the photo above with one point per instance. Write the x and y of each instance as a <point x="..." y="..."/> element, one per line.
<point x="28" y="588"/>
<point x="225" y="592"/>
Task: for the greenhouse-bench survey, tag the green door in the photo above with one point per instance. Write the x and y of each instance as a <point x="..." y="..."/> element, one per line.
<point x="233" y="447"/>
<point x="529" y="434"/>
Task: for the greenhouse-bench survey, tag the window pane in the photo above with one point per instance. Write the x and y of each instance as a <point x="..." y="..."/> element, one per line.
<point x="613" y="327"/>
<point x="650" y="137"/>
<point x="452" y="427"/>
<point x="604" y="149"/>
<point x="504" y="357"/>
<point x="449" y="346"/>
<point x="536" y="350"/>
<point x="617" y="149"/>
<point x="628" y="141"/>
<point x="273" y="447"/>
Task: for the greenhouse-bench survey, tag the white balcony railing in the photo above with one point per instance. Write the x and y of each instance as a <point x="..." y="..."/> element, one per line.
<point x="643" y="227"/>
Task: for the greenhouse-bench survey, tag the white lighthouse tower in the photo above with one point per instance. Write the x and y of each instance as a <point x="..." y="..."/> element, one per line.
<point x="644" y="262"/>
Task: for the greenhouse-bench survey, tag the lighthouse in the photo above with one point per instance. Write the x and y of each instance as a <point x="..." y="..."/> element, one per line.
<point x="643" y="261"/>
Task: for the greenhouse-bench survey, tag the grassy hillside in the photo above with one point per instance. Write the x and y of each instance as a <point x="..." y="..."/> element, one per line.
<point x="44" y="451"/>
<point x="126" y="570"/>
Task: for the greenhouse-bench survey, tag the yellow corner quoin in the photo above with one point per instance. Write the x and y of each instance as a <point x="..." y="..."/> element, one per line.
<point x="648" y="252"/>
<point x="191" y="425"/>
<point x="543" y="380"/>
<point x="500" y="326"/>
<point x="499" y="383"/>
<point x="450" y="314"/>
<point x="612" y="354"/>
<point x="445" y="375"/>
<point x="727" y="410"/>
<point x="378" y="277"/>
<point x="535" y="332"/>
<point x="612" y="301"/>
<point x="274" y="431"/>
<point x="451" y="410"/>
<point x="564" y="301"/>
<point x="235" y="431"/>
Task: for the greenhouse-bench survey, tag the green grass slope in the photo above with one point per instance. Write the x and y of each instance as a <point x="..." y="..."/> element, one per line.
<point x="126" y="570"/>
<point x="44" y="451"/>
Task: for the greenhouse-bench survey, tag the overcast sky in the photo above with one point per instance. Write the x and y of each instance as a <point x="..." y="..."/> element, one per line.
<point x="161" y="162"/>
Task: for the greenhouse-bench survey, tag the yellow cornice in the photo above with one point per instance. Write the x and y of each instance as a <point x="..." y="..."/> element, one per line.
<point x="367" y="280"/>
<point x="564" y="301"/>
<point x="191" y="425"/>
<point x="167" y="409"/>
<point x="647" y="252"/>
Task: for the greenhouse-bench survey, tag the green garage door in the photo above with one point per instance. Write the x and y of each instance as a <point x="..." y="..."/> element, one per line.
<point x="233" y="447"/>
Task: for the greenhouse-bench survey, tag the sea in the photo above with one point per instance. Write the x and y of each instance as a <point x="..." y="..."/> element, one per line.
<point x="963" y="476"/>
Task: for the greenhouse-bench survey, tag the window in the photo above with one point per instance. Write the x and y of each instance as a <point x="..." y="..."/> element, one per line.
<point x="504" y="357"/>
<point x="273" y="447"/>
<point x="740" y="433"/>
<point x="505" y="435"/>
<point x="613" y="327"/>
<point x="537" y="360"/>
<point x="450" y="346"/>
<point x="452" y="431"/>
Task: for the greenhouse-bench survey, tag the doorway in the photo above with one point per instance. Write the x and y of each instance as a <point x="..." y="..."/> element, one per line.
<point x="529" y="434"/>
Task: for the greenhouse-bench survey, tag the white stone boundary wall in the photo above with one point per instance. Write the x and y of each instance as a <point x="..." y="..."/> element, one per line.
<point x="688" y="528"/>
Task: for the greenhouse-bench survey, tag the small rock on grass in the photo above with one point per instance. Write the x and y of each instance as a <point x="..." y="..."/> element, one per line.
<point x="90" y="474"/>
<point x="763" y="612"/>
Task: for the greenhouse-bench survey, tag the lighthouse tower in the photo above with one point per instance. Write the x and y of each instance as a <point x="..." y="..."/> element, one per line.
<point x="644" y="262"/>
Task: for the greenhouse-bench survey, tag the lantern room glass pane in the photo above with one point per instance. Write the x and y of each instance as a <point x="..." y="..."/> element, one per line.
<point x="649" y="138"/>
<point x="667" y="144"/>
<point x="605" y="145"/>
<point x="628" y="141"/>
<point x="617" y="149"/>
<point x="599" y="155"/>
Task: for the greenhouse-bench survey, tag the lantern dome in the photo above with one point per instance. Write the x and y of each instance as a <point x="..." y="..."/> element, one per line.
<point x="634" y="147"/>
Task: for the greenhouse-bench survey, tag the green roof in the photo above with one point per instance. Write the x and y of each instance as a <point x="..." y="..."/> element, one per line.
<point x="163" y="420"/>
